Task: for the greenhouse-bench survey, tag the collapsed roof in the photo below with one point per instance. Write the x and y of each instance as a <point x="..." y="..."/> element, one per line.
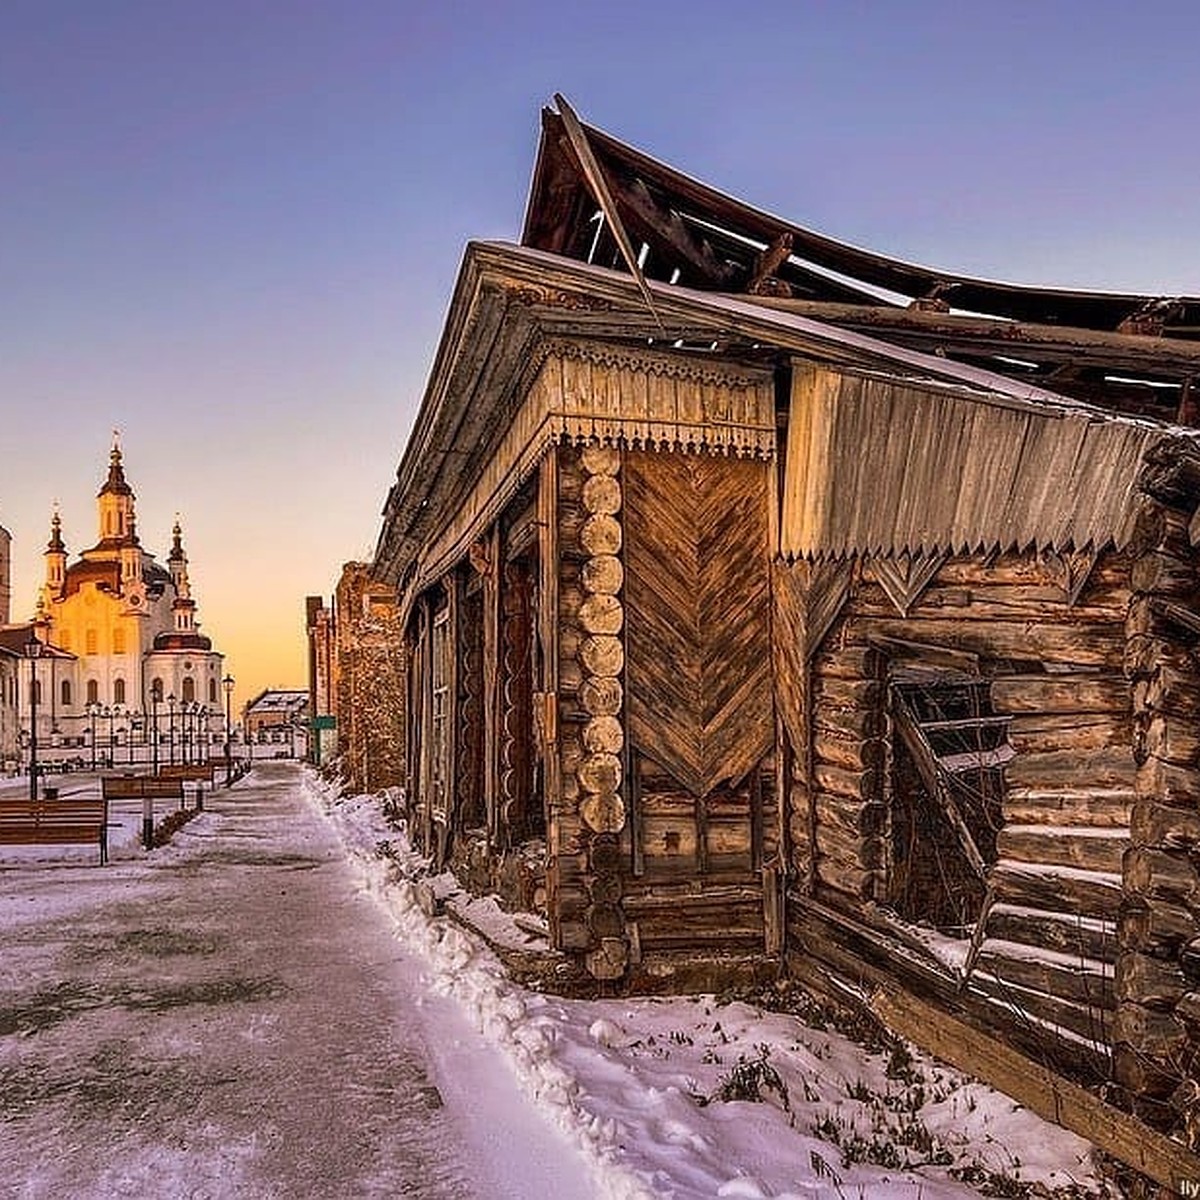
<point x="1127" y="352"/>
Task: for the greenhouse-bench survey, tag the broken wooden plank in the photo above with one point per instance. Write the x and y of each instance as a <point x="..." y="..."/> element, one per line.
<point x="1052" y="1097"/>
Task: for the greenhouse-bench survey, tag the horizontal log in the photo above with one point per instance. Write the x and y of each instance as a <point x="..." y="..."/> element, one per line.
<point x="1064" y="846"/>
<point x="1100" y="768"/>
<point x="1168" y="783"/>
<point x="1046" y="1093"/>
<point x="1146" y="653"/>
<point x="1161" y="875"/>
<point x="599" y="460"/>
<point x="1141" y="979"/>
<point x="1163" y="574"/>
<point x="1077" y="732"/>
<point x="1148" y="1032"/>
<point x="1085" y="1020"/>
<point x="603" y="735"/>
<point x="601" y="695"/>
<point x="850" y="662"/>
<point x="846" y="693"/>
<point x="1160" y="928"/>
<point x="836" y="877"/>
<point x="1172" y="690"/>
<point x="998" y="603"/>
<point x="602" y="654"/>
<point x="1065" y="933"/>
<point x="835" y="844"/>
<point x="603" y="574"/>
<point x="854" y="818"/>
<point x="1057" y="889"/>
<point x="1172" y="739"/>
<point x="1162" y="827"/>
<point x="1101" y="807"/>
<point x="1045" y="641"/>
<point x="603" y="812"/>
<point x="1091" y="692"/>
<point x="845" y="752"/>
<point x="600" y="534"/>
<point x="601" y="494"/>
<point x="853" y="723"/>
<point x="600" y="773"/>
<point x="1083" y="981"/>
<point x="601" y="614"/>
<point x="857" y="785"/>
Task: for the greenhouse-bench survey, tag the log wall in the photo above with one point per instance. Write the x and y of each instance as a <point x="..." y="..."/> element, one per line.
<point x="1047" y="947"/>
<point x="1157" y="1028"/>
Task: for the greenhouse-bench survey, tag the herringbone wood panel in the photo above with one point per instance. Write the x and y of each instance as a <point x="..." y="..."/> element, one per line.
<point x="697" y="607"/>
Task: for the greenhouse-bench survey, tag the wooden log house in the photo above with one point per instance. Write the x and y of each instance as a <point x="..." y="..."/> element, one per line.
<point x="759" y="618"/>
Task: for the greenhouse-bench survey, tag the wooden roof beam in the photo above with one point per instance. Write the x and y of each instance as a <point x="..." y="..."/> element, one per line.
<point x="664" y="229"/>
<point x="1162" y="358"/>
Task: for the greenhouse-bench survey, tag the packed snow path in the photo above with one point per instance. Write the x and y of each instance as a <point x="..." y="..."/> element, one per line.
<point x="231" y="1017"/>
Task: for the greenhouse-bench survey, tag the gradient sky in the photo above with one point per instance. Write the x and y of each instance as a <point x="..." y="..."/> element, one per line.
<point x="230" y="229"/>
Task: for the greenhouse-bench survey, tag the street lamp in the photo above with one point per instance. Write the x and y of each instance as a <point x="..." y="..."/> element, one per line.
<point x="155" y="699"/>
<point x="227" y="684"/>
<point x="33" y="651"/>
<point x="171" y="727"/>
<point x="108" y="712"/>
<point x="93" y="711"/>
<point x="202" y="732"/>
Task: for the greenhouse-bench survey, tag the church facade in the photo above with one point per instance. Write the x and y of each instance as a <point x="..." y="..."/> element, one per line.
<point x="131" y="678"/>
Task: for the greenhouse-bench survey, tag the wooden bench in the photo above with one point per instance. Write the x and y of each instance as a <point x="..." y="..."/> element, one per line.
<point x="141" y="787"/>
<point x="55" y="822"/>
<point x="192" y="772"/>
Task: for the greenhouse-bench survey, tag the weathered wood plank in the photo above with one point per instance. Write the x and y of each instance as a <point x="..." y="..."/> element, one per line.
<point x="1047" y="1094"/>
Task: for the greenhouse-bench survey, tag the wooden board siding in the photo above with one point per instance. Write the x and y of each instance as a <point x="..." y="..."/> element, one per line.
<point x="876" y="466"/>
<point x="698" y="611"/>
<point x="1055" y="672"/>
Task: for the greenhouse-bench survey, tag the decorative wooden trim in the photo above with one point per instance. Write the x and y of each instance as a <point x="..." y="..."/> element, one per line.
<point x="905" y="576"/>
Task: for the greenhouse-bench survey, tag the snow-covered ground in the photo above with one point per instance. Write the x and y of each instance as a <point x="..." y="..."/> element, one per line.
<point x="648" y="1089"/>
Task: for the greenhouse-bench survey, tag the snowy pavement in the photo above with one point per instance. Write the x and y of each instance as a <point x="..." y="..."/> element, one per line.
<point x="231" y="1017"/>
<point x="263" y="1009"/>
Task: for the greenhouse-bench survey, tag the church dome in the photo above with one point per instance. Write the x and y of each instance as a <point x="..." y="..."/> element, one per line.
<point x="182" y="641"/>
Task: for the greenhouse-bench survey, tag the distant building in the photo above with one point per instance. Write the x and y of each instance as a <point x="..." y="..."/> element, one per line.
<point x="277" y="721"/>
<point x="132" y="667"/>
<point x="357" y="671"/>
<point x="321" y="629"/>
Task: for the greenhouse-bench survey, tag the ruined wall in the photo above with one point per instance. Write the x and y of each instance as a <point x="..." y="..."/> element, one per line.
<point x="370" y="682"/>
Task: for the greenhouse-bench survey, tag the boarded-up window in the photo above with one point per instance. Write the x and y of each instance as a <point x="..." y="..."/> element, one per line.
<point x="947" y="790"/>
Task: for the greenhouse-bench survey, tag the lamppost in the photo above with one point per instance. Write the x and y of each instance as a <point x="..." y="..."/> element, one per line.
<point x="171" y="727"/>
<point x="154" y="702"/>
<point x="202" y="734"/>
<point x="227" y="684"/>
<point x="108" y="712"/>
<point x="93" y="711"/>
<point x="33" y="651"/>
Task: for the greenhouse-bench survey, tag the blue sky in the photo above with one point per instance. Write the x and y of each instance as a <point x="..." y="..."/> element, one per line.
<point x="231" y="229"/>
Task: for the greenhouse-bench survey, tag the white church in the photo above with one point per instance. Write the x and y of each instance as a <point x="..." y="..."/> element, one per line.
<point x="125" y="675"/>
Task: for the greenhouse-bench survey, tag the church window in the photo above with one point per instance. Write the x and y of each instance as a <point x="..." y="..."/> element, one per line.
<point x="212" y="691"/>
<point x="118" y="691"/>
<point x="118" y="641"/>
<point x="189" y="690"/>
<point x="93" y="691"/>
<point x="90" y="641"/>
<point x="65" y="693"/>
<point x="156" y="690"/>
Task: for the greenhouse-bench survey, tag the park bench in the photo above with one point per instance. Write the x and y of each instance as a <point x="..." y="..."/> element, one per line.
<point x="55" y="821"/>
<point x="147" y="789"/>
<point x="142" y="787"/>
<point x="193" y="772"/>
